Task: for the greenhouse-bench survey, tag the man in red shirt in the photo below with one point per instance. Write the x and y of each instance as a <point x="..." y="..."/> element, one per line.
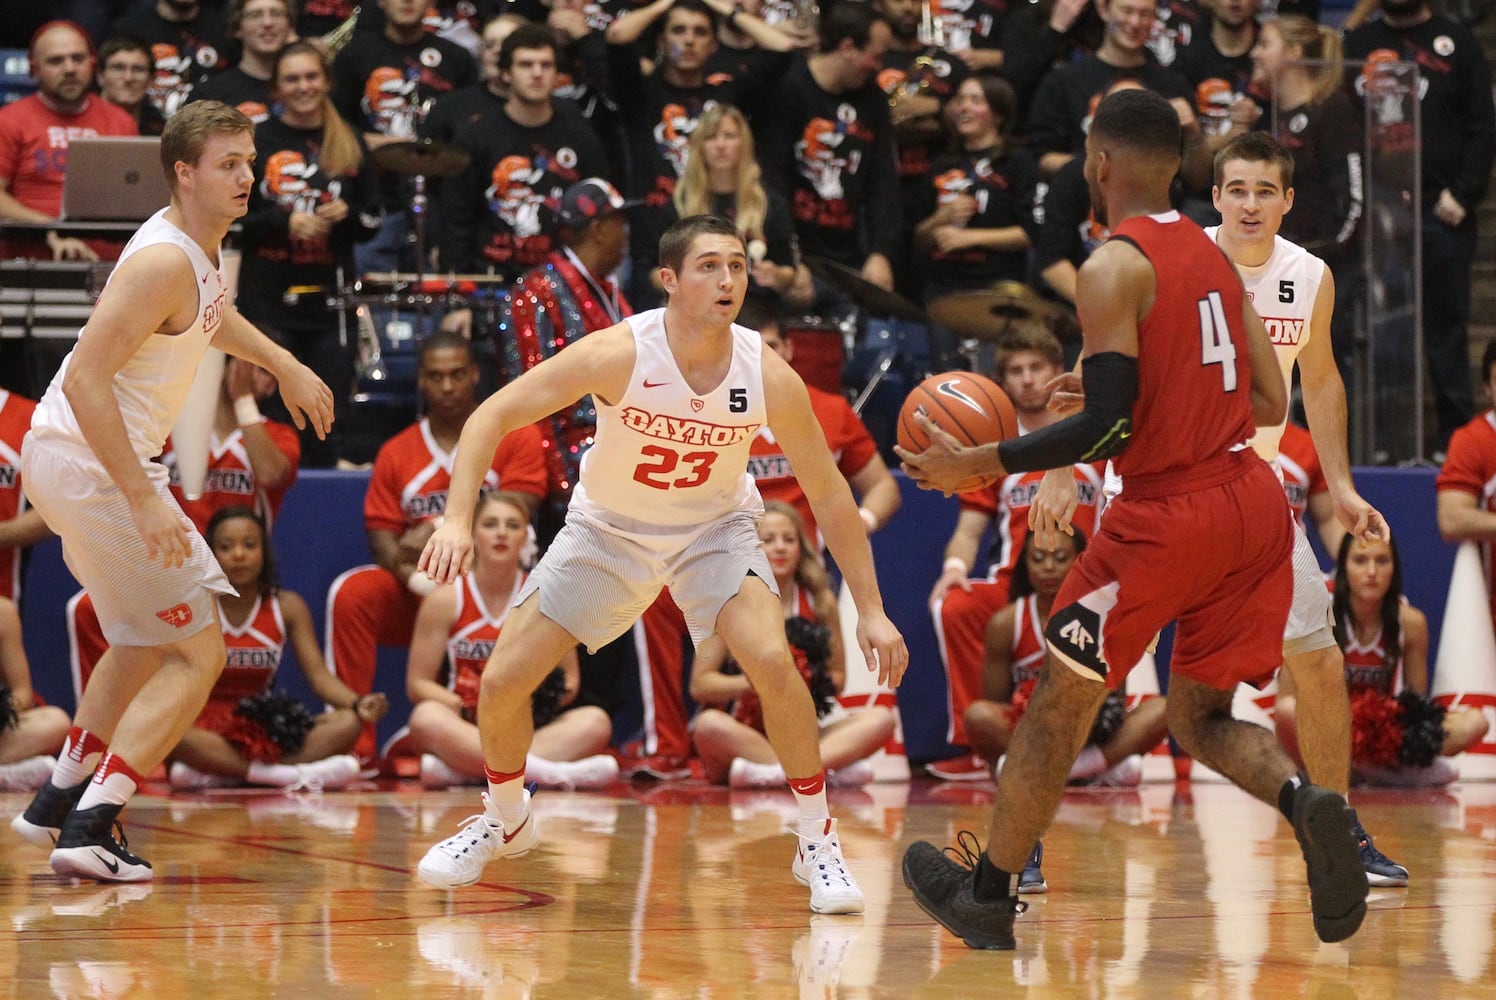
<point x="661" y="632"/>
<point x="373" y="606"/>
<point x="35" y="132"/>
<point x="1200" y="535"/>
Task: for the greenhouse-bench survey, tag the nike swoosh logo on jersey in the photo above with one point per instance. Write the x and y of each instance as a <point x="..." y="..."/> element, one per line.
<point x="653" y="385"/>
<point x="507" y="836"/>
<point x="109" y="863"/>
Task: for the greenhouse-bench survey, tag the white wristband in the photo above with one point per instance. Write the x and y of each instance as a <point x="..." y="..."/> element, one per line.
<point x="956" y="562"/>
<point x="247" y="412"/>
<point x="869" y="519"/>
<point x="419" y="583"/>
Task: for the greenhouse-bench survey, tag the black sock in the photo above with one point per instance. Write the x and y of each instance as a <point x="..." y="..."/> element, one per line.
<point x="992" y="882"/>
<point x="1288" y="791"/>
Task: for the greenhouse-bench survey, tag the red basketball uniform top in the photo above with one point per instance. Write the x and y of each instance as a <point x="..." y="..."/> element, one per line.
<point x="1194" y="377"/>
<point x="15" y="420"/>
<point x="1028" y="641"/>
<point x="254" y="651"/>
<point x="1366" y="664"/>
<point x="472" y="637"/>
<point x="1470" y="467"/>
<point x="1299" y="464"/>
<point x="1008" y="500"/>
<point x="412" y="473"/>
<point x="231" y="479"/>
<point x="847" y="437"/>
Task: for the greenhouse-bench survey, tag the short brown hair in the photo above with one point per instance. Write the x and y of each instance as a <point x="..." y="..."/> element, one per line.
<point x="189" y="130"/>
<point x="1255" y="147"/>
<point x="679" y="237"/>
<point x="1027" y="337"/>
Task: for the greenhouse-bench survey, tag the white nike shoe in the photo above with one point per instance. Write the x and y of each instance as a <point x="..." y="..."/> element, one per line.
<point x="819" y="864"/>
<point x="460" y="859"/>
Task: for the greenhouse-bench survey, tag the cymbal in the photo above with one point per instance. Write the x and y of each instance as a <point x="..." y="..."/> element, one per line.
<point x="411" y="278"/>
<point x="426" y="158"/>
<point x="986" y="315"/>
<point x="874" y="300"/>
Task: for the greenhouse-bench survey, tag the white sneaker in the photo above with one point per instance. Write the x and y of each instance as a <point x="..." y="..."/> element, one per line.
<point x="598" y="771"/>
<point x="745" y="773"/>
<point x="820" y="865"/>
<point x="1126" y="773"/>
<point x="437" y="773"/>
<point x="27" y="775"/>
<point x="186" y="778"/>
<point x="854" y="775"/>
<point x="327" y="774"/>
<point x="460" y="859"/>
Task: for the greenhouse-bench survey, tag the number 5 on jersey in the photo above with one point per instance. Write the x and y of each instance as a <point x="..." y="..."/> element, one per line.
<point x="1216" y="347"/>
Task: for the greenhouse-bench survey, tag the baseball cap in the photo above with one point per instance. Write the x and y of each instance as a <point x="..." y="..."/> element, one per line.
<point x="591" y="199"/>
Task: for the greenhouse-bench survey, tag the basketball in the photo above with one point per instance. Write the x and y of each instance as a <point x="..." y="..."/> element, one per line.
<point x="971" y="408"/>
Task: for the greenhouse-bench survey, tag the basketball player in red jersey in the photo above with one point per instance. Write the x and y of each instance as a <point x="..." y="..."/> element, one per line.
<point x="1167" y="331"/>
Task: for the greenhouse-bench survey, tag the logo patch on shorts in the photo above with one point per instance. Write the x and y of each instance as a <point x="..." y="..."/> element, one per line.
<point x="177" y="617"/>
<point x="1075" y="633"/>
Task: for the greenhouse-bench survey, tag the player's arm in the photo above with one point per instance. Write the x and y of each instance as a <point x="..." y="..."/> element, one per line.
<point x="997" y="656"/>
<point x="26" y="528"/>
<point x="273" y="468"/>
<point x="799" y="433"/>
<point x="1269" y="394"/>
<point x="325" y="684"/>
<point x="1116" y="288"/>
<point x="1415" y="649"/>
<point x="599" y="364"/>
<point x="963" y="548"/>
<point x="709" y="685"/>
<point x="154" y="289"/>
<point x="307" y="399"/>
<point x="428" y="650"/>
<point x="1324" y="405"/>
<point x="1321" y="510"/>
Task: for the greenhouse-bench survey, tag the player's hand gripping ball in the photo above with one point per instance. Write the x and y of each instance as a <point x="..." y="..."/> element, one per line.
<point x="970" y="407"/>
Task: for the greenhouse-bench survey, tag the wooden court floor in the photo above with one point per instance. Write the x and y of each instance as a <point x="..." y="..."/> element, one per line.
<point x="684" y="891"/>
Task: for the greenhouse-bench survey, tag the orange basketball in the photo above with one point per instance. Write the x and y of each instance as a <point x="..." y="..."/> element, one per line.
<point x="971" y="408"/>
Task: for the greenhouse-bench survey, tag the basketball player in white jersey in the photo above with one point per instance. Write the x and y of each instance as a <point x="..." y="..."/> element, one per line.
<point x="1294" y="293"/>
<point x="665" y="499"/>
<point x="88" y="469"/>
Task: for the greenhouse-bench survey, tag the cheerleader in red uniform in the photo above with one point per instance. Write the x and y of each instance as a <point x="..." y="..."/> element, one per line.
<point x="457" y="625"/>
<point x="1398" y="736"/>
<point x="729" y="738"/>
<point x="1015" y="651"/>
<point x="246" y="733"/>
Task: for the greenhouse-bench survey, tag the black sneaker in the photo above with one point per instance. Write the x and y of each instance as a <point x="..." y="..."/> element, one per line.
<point x="943" y="889"/>
<point x="1380" y="869"/>
<point x="44" y="817"/>
<point x="87" y="848"/>
<point x="1031" y="881"/>
<point x="1337" y="881"/>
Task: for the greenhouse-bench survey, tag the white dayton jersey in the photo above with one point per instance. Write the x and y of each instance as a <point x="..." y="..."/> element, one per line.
<point x="667" y="455"/>
<point x="152" y="387"/>
<point x="1283" y="291"/>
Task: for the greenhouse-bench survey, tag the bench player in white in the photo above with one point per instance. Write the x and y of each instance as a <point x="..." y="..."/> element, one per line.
<point x="665" y="499"/>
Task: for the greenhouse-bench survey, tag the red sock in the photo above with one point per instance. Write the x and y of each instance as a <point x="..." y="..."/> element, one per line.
<point x="80" y="756"/>
<point x="114" y="782"/>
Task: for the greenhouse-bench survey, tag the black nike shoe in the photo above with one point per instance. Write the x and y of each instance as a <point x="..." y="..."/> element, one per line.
<point x="42" y="819"/>
<point x="87" y="848"/>
<point x="1337" y="881"/>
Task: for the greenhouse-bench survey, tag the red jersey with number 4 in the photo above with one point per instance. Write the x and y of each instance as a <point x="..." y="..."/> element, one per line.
<point x="1194" y="376"/>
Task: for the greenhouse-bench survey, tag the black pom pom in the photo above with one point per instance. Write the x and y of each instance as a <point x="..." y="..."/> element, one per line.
<point x="1109" y="718"/>
<point x="284" y="720"/>
<point x="1422" y="723"/>
<point x="545" y="703"/>
<point x="8" y="716"/>
<point x="814" y="641"/>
